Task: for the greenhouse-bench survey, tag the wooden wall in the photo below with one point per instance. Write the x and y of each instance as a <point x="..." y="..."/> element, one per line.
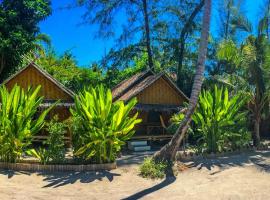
<point x="32" y="77"/>
<point x="160" y="92"/>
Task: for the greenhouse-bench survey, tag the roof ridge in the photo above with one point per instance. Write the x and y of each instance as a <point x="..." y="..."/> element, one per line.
<point x="46" y="74"/>
<point x="143" y="74"/>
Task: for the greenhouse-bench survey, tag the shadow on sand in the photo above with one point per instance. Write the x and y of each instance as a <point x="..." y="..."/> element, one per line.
<point x="259" y="159"/>
<point x="60" y="179"/>
<point x="11" y="173"/>
<point x="166" y="182"/>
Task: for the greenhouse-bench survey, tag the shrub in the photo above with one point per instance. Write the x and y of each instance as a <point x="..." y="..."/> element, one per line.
<point x="152" y="169"/>
<point x="100" y="127"/>
<point x="55" y="146"/>
<point x="220" y="122"/>
<point x="55" y="141"/>
<point x="17" y="124"/>
<point x="41" y="154"/>
<point x="175" y="120"/>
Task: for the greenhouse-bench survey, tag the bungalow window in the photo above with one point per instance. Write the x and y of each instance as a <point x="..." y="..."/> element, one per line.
<point x="153" y="117"/>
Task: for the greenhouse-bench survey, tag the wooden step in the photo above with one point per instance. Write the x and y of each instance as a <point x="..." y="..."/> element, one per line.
<point x="141" y="148"/>
<point x="138" y="143"/>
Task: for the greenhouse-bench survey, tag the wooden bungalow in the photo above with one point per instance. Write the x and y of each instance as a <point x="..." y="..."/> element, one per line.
<point x="52" y="91"/>
<point x="158" y="99"/>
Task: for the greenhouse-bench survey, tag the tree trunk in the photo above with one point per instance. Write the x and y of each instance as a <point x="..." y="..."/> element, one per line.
<point x="147" y="34"/>
<point x="256" y="138"/>
<point x="267" y="20"/>
<point x="183" y="36"/>
<point x="2" y="65"/>
<point x="168" y="152"/>
<point x="228" y="20"/>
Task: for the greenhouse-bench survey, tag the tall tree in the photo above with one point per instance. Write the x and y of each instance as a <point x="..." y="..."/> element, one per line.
<point x="105" y="14"/>
<point x="19" y="21"/>
<point x="232" y="19"/>
<point x="252" y="61"/>
<point x="147" y="34"/>
<point x="168" y="152"/>
<point x="186" y="30"/>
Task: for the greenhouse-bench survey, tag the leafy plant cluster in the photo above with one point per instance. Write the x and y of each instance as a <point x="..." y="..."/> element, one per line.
<point x="54" y="146"/>
<point x="220" y="121"/>
<point x="100" y="127"/>
<point x="17" y="123"/>
<point x="152" y="169"/>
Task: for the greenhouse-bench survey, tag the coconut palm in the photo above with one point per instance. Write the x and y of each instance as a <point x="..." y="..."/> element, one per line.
<point x="168" y="152"/>
<point x="252" y="60"/>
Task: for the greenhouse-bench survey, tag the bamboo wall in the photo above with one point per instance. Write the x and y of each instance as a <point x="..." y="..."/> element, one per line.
<point x="32" y="77"/>
<point x="160" y="92"/>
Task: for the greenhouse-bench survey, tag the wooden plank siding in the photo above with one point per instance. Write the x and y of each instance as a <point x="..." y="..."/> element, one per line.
<point x="160" y="92"/>
<point x="32" y="77"/>
<point x="51" y="90"/>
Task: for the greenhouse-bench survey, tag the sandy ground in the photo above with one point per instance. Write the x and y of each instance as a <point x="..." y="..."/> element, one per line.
<point x="245" y="176"/>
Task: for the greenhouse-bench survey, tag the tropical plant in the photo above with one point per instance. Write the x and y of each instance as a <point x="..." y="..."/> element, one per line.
<point x="55" y="141"/>
<point x="17" y="124"/>
<point x="176" y="120"/>
<point x="220" y="121"/>
<point x="54" y="146"/>
<point x="252" y="61"/>
<point x="152" y="169"/>
<point x="41" y="154"/>
<point x="100" y="126"/>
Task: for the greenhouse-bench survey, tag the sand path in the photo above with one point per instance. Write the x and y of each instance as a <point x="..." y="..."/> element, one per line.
<point x="244" y="176"/>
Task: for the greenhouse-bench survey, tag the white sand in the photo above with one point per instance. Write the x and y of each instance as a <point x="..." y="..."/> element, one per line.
<point x="235" y="177"/>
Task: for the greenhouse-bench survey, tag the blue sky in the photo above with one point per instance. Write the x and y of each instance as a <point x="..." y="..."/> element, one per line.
<point x="66" y="33"/>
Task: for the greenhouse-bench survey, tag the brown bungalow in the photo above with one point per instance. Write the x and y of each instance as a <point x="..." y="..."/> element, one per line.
<point x="158" y="99"/>
<point x="51" y="89"/>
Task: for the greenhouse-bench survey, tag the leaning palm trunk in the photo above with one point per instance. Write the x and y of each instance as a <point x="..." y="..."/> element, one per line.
<point x="168" y="152"/>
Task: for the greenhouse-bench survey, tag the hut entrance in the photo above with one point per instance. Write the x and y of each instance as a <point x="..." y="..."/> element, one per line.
<point x="154" y="126"/>
<point x="153" y="117"/>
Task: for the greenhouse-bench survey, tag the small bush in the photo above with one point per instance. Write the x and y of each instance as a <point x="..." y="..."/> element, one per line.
<point x="152" y="169"/>
<point x="55" y="141"/>
<point x="55" y="151"/>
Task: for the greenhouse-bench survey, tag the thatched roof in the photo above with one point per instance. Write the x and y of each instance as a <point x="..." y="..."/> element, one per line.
<point x="129" y="88"/>
<point x="44" y="73"/>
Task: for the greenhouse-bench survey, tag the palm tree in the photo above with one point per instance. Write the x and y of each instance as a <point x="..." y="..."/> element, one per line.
<point x="168" y="152"/>
<point x="252" y="61"/>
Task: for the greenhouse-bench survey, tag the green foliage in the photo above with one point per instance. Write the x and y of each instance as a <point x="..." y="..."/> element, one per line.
<point x="175" y="120"/>
<point x="55" y="146"/>
<point x="41" y="154"/>
<point x="17" y="123"/>
<point x="101" y="127"/>
<point x="19" y="21"/>
<point x="220" y="121"/>
<point x="151" y="169"/>
<point x="65" y="69"/>
<point x="55" y="141"/>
